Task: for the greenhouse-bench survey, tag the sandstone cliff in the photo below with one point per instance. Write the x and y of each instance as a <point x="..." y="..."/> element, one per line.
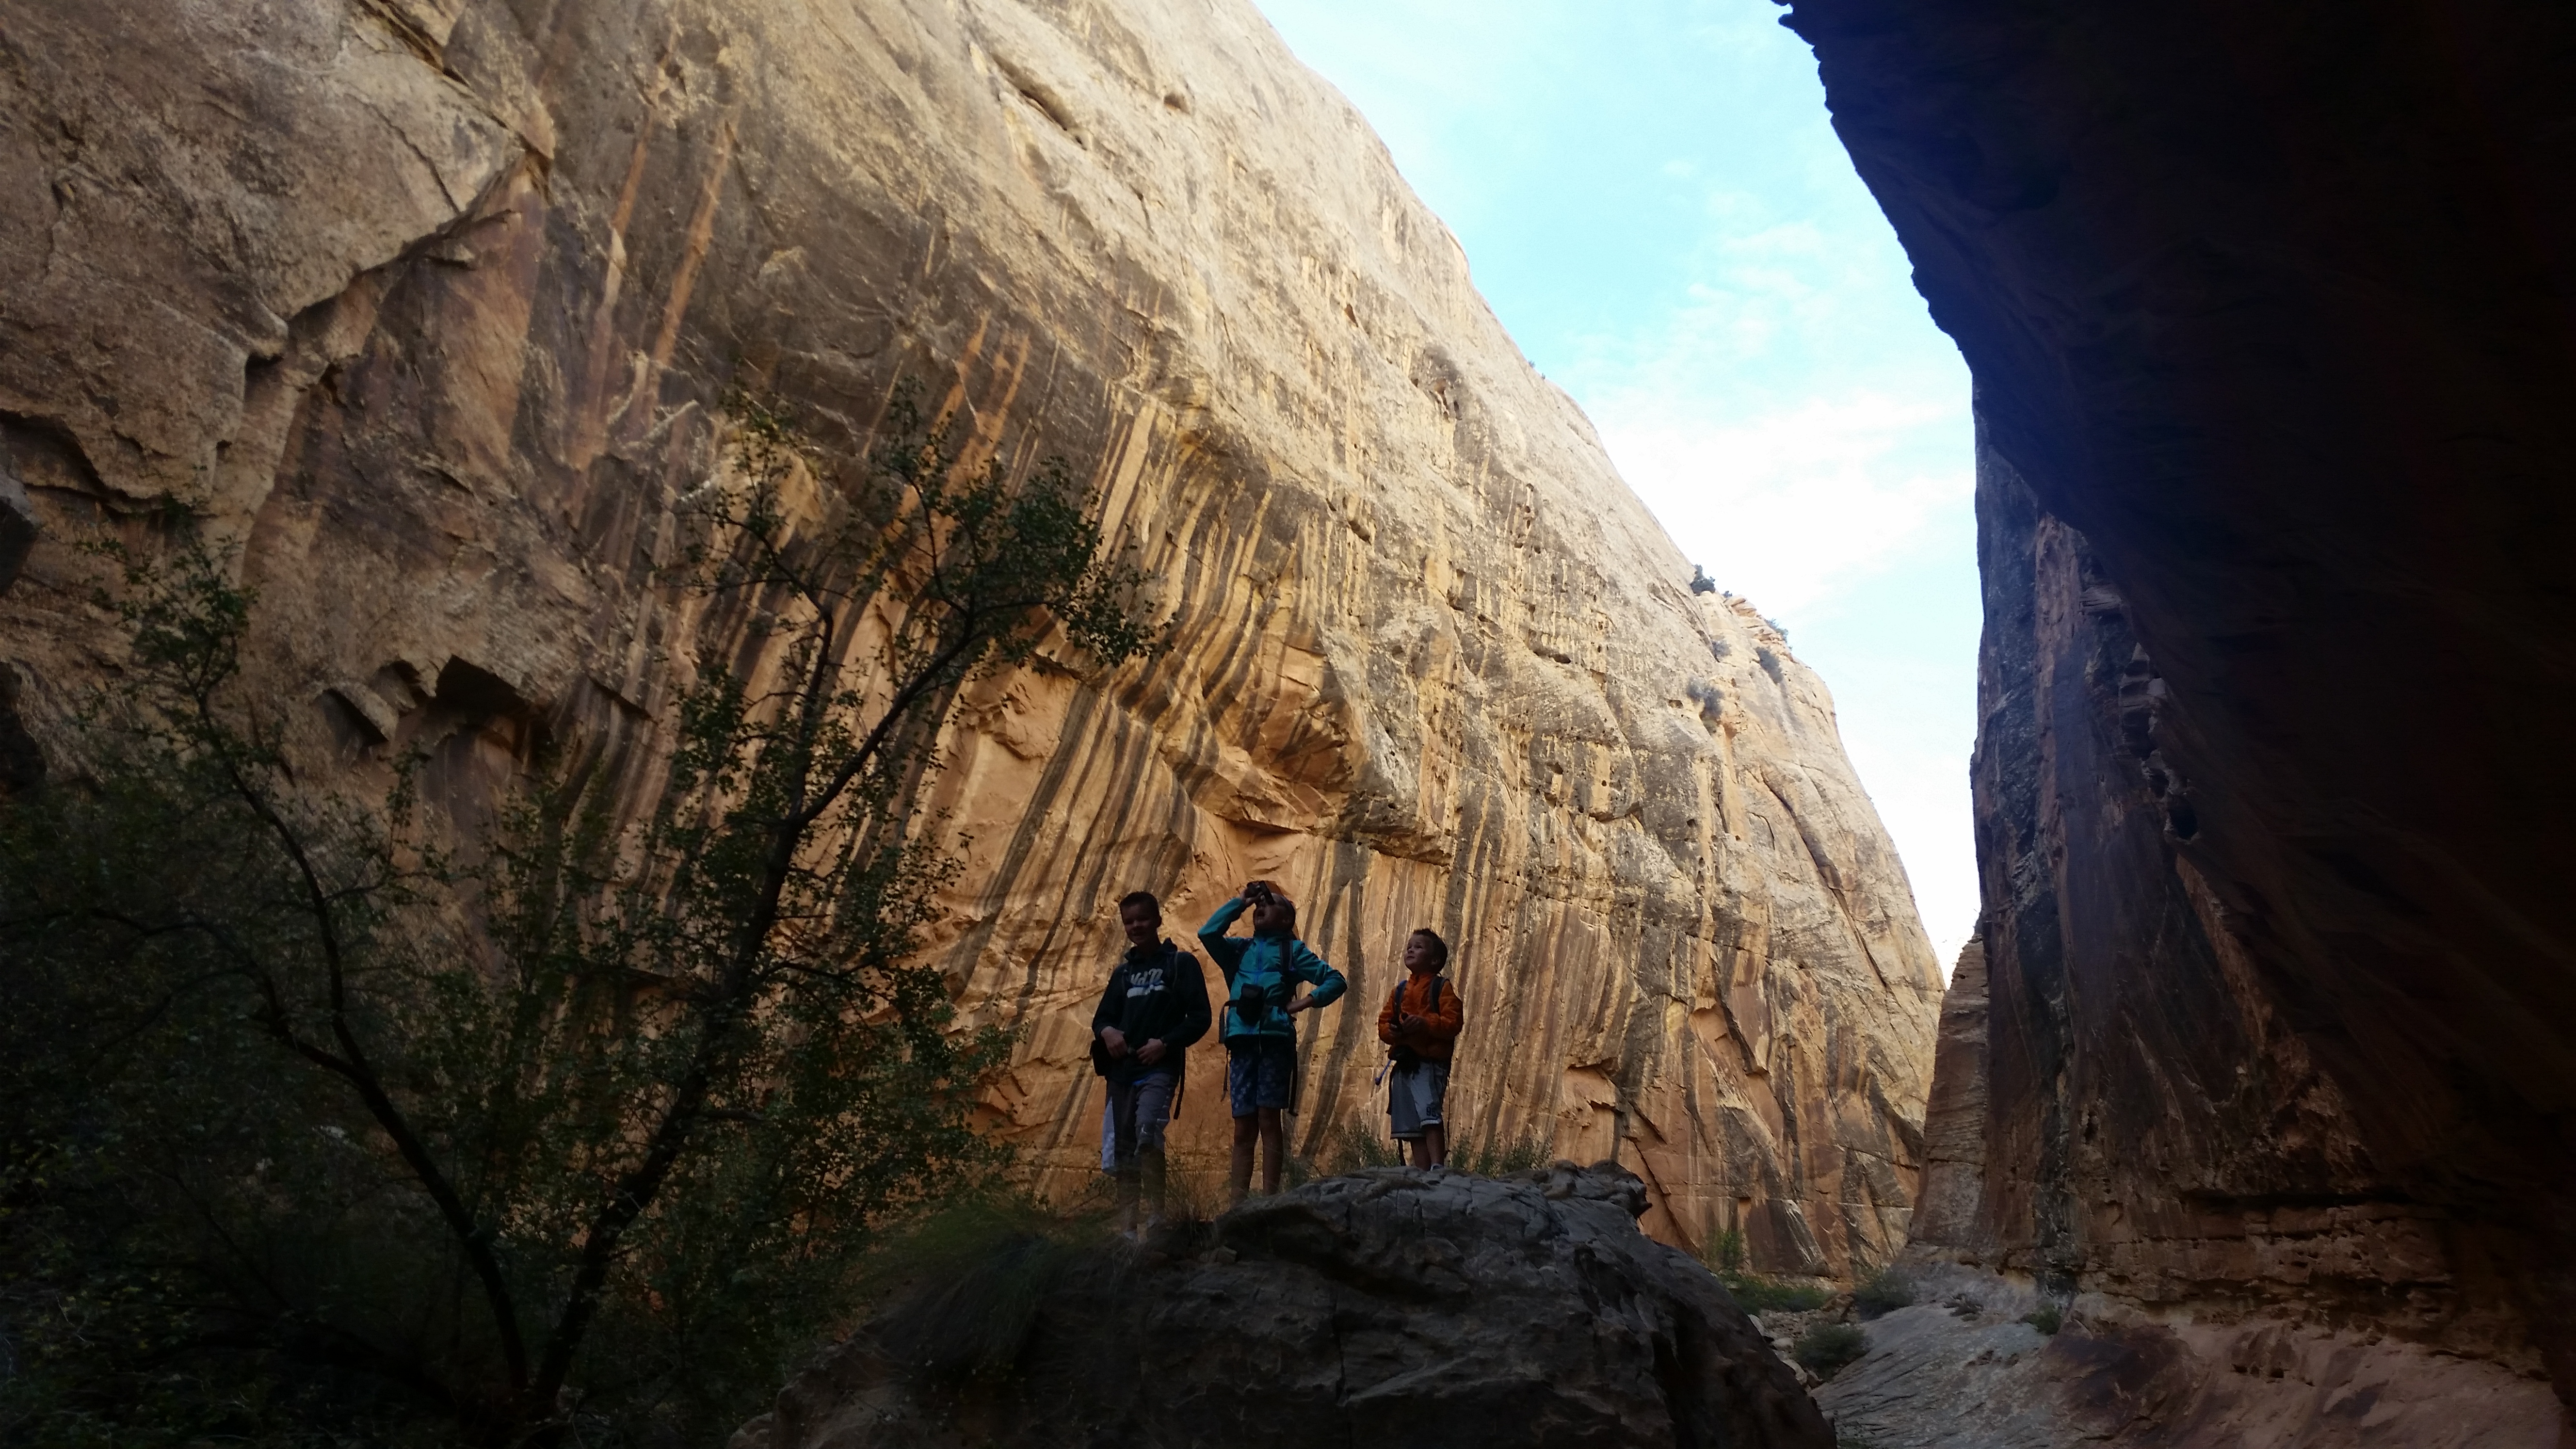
<point x="2269" y="321"/>
<point x="433" y="303"/>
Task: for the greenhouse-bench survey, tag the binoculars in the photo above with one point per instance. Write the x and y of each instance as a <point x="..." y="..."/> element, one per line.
<point x="1253" y="1004"/>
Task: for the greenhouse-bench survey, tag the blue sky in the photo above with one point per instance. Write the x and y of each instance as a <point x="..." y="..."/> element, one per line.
<point x="1652" y="198"/>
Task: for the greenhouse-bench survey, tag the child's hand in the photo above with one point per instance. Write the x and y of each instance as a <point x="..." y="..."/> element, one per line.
<point x="1301" y="1003"/>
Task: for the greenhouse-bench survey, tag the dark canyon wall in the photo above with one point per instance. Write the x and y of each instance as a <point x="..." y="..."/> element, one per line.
<point x="2272" y="312"/>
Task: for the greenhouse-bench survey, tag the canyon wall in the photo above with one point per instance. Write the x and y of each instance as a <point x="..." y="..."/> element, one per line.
<point x="2273" y="334"/>
<point x="432" y="305"/>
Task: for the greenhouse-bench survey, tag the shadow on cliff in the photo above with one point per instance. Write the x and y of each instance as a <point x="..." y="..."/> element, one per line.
<point x="2268" y="315"/>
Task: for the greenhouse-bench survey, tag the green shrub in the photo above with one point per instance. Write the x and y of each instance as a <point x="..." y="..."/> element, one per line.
<point x="2046" y="1318"/>
<point x="1883" y="1292"/>
<point x="1826" y="1349"/>
<point x="1725" y="1252"/>
<point x="319" y="1124"/>
<point x="1756" y="1294"/>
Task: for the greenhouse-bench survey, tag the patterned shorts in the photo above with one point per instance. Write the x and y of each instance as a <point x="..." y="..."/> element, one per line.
<point x="1260" y="1072"/>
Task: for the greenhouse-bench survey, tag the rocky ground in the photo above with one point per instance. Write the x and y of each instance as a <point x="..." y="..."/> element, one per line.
<point x="1964" y="1368"/>
<point x="1782" y="1328"/>
<point x="1390" y="1305"/>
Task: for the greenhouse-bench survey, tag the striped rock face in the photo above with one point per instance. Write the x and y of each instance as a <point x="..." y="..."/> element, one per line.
<point x="434" y="304"/>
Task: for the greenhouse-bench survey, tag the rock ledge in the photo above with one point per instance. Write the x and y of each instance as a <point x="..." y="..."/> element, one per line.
<point x="1426" y="1306"/>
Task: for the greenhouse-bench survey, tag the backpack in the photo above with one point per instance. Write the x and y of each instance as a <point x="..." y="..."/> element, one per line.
<point x="1405" y="1057"/>
<point x="1100" y="1058"/>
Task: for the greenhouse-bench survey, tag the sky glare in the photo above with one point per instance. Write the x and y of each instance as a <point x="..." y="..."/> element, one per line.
<point x="1652" y="198"/>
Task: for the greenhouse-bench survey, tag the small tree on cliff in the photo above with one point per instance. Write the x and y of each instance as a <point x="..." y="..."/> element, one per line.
<point x="307" y="1131"/>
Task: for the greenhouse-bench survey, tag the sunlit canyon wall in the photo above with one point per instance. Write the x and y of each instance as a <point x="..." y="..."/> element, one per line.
<point x="433" y="304"/>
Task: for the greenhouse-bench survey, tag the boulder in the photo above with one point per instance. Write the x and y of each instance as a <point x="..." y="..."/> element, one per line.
<point x="1393" y="1305"/>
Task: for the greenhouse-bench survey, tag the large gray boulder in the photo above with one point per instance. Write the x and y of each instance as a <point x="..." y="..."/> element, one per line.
<point x="1393" y="1306"/>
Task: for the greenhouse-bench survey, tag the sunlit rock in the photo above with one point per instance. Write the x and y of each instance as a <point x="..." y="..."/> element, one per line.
<point x="434" y="307"/>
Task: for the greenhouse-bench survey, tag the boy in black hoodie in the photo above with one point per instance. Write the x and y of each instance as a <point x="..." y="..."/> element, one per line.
<point x="1154" y="1006"/>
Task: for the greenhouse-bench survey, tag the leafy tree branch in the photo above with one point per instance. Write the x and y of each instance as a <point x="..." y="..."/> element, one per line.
<point x="574" y="1133"/>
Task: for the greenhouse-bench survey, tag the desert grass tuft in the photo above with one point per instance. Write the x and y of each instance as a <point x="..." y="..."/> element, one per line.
<point x="1356" y="1147"/>
<point x="1499" y="1156"/>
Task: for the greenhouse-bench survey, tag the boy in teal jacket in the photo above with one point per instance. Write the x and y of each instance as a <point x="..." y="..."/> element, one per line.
<point x="1259" y="1023"/>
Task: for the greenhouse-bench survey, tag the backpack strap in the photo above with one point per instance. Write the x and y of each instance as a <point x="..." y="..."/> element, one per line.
<point x="1395" y="998"/>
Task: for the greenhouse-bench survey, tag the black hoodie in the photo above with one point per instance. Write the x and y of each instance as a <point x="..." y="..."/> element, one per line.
<point x="1156" y="993"/>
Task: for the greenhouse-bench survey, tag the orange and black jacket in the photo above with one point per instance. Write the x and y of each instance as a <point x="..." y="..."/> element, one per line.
<point x="1435" y="1037"/>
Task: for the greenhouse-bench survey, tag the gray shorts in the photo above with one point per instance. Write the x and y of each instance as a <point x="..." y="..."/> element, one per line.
<point x="1138" y="1112"/>
<point x="1413" y="1097"/>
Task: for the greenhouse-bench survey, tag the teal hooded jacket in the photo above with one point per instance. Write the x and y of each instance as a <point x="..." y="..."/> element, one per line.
<point x="1261" y="975"/>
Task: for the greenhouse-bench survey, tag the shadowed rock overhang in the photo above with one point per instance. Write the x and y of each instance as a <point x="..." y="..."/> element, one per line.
<point x="2272" y="315"/>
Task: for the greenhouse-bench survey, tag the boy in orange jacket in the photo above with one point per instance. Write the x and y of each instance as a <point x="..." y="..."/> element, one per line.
<point x="1420" y="1028"/>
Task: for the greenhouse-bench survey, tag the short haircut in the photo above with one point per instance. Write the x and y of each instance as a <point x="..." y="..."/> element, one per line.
<point x="1147" y="899"/>
<point x="1439" y="948"/>
<point x="1288" y="907"/>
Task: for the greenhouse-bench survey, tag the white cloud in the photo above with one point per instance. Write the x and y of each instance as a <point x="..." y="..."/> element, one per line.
<point x="1921" y="795"/>
<point x="1803" y="435"/>
<point x="1783" y="421"/>
<point x="1788" y="506"/>
<point x="1838" y="515"/>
